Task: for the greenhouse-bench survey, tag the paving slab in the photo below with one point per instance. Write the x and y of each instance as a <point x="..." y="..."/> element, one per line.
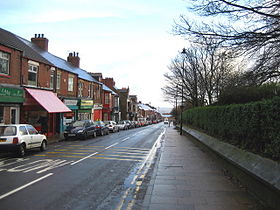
<point x="186" y="177"/>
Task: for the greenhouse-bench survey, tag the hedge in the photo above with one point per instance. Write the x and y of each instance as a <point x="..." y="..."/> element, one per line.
<point x="254" y="126"/>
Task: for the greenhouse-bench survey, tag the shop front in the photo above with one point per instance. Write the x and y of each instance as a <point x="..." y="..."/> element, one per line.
<point x="11" y="100"/>
<point x="44" y="110"/>
<point x="97" y="112"/>
<point x="85" y="109"/>
<point x="70" y="117"/>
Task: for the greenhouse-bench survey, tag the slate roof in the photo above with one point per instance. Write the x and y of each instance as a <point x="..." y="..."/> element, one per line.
<point x="32" y="51"/>
<point x="144" y="107"/>
<point x="11" y="40"/>
<point x="104" y="87"/>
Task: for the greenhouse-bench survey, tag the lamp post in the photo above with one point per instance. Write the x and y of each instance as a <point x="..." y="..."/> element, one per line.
<point x="176" y="109"/>
<point x="182" y="99"/>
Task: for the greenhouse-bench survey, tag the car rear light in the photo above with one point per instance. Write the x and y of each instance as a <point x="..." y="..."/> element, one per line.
<point x="15" y="140"/>
<point x="110" y="125"/>
<point x="98" y="127"/>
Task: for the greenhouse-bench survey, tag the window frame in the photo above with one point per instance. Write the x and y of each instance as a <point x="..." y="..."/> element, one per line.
<point x="70" y="87"/>
<point x="58" y="80"/>
<point x="31" y="70"/>
<point x="8" y="62"/>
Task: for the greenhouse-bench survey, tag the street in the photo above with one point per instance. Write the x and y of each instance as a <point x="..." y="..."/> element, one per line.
<point x="100" y="173"/>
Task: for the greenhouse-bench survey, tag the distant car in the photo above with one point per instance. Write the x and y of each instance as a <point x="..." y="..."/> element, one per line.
<point x="101" y="128"/>
<point x="166" y="122"/>
<point x="122" y="125"/>
<point x="80" y="129"/>
<point x="129" y="124"/>
<point x="112" y="125"/>
<point x="20" y="137"/>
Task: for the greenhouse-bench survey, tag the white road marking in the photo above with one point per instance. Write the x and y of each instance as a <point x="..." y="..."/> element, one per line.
<point x="111" y="145"/>
<point x="24" y="186"/>
<point x="84" y="158"/>
<point x="125" y="139"/>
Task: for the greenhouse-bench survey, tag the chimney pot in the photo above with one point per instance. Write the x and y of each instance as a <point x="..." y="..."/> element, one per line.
<point x="35" y="35"/>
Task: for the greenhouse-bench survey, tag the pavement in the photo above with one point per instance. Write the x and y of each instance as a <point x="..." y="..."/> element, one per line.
<point x="186" y="177"/>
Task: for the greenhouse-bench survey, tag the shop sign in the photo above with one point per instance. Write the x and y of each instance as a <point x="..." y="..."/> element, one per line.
<point x="70" y="102"/>
<point x="11" y="92"/>
<point x="86" y="104"/>
<point x="97" y="106"/>
<point x="11" y="95"/>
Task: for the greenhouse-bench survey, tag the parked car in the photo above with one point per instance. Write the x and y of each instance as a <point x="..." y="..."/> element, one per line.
<point x="166" y="122"/>
<point x="122" y="125"/>
<point x="112" y="125"/>
<point x="81" y="129"/>
<point x="129" y="124"/>
<point x="101" y="128"/>
<point x="20" y="137"/>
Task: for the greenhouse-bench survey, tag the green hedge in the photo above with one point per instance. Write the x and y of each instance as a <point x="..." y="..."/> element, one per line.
<point x="253" y="126"/>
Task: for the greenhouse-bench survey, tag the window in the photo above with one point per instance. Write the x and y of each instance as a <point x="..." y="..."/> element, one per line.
<point x="22" y="130"/>
<point x="52" y="77"/>
<point x="90" y="95"/>
<point x="107" y="100"/>
<point x="4" y="63"/>
<point x="58" y="80"/>
<point x="70" y="83"/>
<point x="31" y="130"/>
<point x="32" y="74"/>
<point x="81" y="87"/>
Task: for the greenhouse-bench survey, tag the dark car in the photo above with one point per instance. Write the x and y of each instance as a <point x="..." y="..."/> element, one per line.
<point x="101" y="128"/>
<point x="81" y="129"/>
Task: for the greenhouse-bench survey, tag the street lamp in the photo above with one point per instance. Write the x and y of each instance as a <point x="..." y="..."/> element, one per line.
<point x="182" y="99"/>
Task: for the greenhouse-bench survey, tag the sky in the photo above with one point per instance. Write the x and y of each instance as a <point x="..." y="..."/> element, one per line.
<point x="129" y="40"/>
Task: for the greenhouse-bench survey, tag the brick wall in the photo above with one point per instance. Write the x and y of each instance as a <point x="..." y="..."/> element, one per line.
<point x="14" y="67"/>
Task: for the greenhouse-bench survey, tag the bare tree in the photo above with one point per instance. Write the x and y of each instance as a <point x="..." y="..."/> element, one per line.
<point x="251" y="27"/>
<point x="198" y="75"/>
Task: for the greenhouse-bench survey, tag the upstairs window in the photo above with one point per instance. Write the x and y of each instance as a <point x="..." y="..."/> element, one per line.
<point x="70" y="83"/>
<point x="90" y="92"/>
<point x="81" y="87"/>
<point x="32" y="73"/>
<point x="52" y="78"/>
<point x="107" y="99"/>
<point x="4" y="63"/>
<point x="58" y="80"/>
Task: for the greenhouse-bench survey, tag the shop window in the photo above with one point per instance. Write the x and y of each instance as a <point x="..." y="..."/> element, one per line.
<point x="4" y="63"/>
<point x="32" y="74"/>
<point x="1" y="114"/>
<point x="70" y="83"/>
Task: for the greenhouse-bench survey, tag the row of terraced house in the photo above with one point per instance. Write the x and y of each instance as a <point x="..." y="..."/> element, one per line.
<point x="37" y="86"/>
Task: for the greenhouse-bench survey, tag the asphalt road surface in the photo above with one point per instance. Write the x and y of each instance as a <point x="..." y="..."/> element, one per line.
<point x="101" y="173"/>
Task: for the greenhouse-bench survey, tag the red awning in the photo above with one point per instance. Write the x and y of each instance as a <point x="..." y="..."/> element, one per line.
<point x="48" y="100"/>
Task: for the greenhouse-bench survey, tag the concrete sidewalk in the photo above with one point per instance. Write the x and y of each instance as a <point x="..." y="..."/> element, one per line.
<point x="185" y="177"/>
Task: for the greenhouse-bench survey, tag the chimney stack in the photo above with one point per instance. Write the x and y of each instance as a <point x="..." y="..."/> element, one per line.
<point x="40" y="41"/>
<point x="74" y="59"/>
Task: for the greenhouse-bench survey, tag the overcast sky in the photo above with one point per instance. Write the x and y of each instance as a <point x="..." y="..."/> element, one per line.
<point x="129" y="40"/>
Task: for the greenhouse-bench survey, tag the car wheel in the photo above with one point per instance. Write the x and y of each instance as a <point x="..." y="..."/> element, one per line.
<point x="43" y="146"/>
<point x="85" y="135"/>
<point x="108" y="132"/>
<point x="94" y="134"/>
<point x="21" y="150"/>
<point x="101" y="133"/>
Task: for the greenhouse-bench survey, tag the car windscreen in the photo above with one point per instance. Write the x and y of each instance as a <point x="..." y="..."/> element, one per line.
<point x="78" y="124"/>
<point x="8" y="130"/>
